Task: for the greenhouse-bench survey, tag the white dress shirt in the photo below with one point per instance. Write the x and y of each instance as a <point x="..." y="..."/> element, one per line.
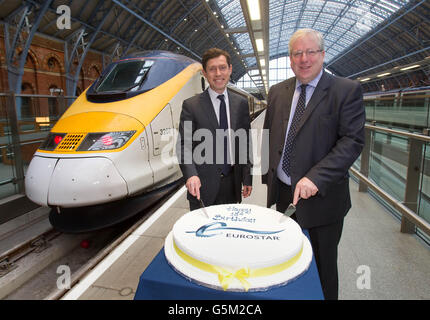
<point x="309" y="91"/>
<point x="216" y="105"/>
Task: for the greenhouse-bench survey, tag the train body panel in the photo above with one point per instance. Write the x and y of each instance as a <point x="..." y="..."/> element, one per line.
<point x="84" y="182"/>
<point x="38" y="178"/>
<point x="134" y="164"/>
<point x="162" y="151"/>
<point x="97" y="121"/>
<point x="256" y="106"/>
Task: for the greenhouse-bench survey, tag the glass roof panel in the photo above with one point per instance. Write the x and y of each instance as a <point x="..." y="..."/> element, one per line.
<point x="244" y="42"/>
<point x="342" y="22"/>
<point x="250" y="61"/>
<point x="232" y="13"/>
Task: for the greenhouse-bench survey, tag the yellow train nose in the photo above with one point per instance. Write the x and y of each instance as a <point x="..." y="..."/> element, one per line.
<point x="97" y="121"/>
<point x="86" y="131"/>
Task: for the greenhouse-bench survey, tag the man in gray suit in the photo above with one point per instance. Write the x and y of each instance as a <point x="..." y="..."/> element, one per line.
<point x="216" y="168"/>
<point x="316" y="124"/>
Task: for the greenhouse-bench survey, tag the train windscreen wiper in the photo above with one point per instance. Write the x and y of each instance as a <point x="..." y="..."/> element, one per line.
<point x="139" y="83"/>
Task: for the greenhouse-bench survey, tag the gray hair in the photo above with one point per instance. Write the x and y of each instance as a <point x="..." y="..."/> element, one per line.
<point x="304" y="32"/>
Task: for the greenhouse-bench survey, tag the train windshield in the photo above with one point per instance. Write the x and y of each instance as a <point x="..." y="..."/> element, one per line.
<point x="126" y="76"/>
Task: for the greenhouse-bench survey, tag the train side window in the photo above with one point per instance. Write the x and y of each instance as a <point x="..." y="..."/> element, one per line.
<point x="413" y="100"/>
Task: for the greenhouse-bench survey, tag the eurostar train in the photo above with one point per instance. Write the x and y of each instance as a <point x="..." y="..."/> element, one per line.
<point x="402" y="108"/>
<point x="112" y="153"/>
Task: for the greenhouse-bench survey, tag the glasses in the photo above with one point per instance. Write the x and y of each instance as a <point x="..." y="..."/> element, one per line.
<point x="222" y="68"/>
<point x="309" y="53"/>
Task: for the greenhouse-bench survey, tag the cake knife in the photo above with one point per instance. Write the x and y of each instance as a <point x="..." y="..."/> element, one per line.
<point x="290" y="210"/>
<point x="204" y="208"/>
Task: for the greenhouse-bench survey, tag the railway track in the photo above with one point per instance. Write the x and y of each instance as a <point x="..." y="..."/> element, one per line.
<point x="9" y="260"/>
<point x="48" y="265"/>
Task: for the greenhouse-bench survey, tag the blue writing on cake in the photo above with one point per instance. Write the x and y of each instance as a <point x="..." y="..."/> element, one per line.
<point x="211" y="229"/>
<point x="219" y="217"/>
<point x="236" y="214"/>
<point x="235" y="211"/>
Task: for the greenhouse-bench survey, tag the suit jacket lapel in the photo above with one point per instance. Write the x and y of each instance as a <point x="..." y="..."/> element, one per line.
<point x="209" y="109"/>
<point x="287" y="96"/>
<point x="233" y="110"/>
<point x="319" y="93"/>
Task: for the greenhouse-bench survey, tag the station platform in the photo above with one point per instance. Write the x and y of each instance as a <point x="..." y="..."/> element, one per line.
<point x="376" y="261"/>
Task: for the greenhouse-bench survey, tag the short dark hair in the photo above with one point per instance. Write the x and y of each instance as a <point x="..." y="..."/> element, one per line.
<point x="214" y="53"/>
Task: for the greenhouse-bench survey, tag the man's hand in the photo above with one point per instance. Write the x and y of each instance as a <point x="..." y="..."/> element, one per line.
<point x="246" y="192"/>
<point x="193" y="185"/>
<point x="305" y="189"/>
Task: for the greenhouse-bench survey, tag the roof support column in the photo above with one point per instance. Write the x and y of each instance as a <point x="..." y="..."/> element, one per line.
<point x="21" y="27"/>
<point x="76" y="49"/>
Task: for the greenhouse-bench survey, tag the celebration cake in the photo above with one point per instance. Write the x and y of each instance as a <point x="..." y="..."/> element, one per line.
<point x="238" y="247"/>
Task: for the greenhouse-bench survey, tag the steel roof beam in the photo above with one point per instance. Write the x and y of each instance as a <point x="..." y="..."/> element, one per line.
<point x="189" y="13"/>
<point x="388" y="62"/>
<point x="118" y="3"/>
<point x="361" y="41"/>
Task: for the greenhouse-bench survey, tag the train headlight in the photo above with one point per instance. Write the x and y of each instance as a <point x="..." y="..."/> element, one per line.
<point x="52" y="141"/>
<point x="105" y="140"/>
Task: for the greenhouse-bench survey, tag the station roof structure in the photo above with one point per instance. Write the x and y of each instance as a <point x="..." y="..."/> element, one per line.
<point x="362" y="38"/>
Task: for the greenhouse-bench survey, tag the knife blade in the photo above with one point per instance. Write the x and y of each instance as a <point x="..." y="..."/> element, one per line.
<point x="204" y="208"/>
<point x="290" y="210"/>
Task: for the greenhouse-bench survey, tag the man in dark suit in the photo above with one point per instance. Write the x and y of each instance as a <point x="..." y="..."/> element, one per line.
<point x="216" y="168"/>
<point x="316" y="124"/>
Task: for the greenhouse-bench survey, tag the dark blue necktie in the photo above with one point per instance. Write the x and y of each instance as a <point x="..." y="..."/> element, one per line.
<point x="300" y="109"/>
<point x="223" y="124"/>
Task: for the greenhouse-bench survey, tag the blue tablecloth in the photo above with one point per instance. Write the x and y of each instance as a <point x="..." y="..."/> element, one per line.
<point x="160" y="282"/>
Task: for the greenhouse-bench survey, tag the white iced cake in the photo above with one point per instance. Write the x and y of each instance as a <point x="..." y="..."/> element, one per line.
<point x="239" y="247"/>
